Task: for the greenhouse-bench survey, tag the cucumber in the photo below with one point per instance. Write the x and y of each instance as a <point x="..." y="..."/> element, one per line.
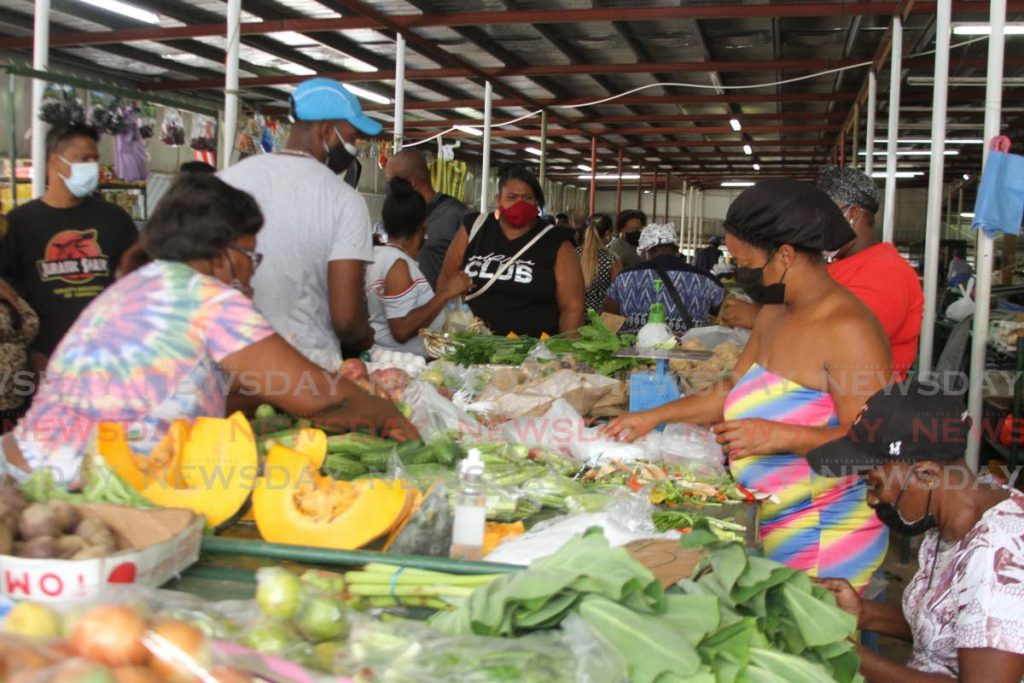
<point x="339" y="467"/>
<point x="285" y="438"/>
<point x="303" y="423"/>
<point x="376" y="460"/>
<point x="354" y="444"/>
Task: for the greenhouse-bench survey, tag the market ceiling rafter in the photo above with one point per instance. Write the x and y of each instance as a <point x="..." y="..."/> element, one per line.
<point x="405" y="22"/>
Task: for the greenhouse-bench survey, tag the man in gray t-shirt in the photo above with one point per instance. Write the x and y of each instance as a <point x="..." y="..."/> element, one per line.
<point x="446" y="212"/>
<point x="317" y="235"/>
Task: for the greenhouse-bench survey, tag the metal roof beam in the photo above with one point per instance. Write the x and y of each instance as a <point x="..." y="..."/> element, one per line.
<point x="640" y="131"/>
<point x="407" y="22"/>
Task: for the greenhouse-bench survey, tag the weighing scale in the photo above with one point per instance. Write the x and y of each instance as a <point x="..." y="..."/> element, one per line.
<point x="649" y="389"/>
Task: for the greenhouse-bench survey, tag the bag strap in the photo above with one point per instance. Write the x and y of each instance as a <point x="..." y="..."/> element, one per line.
<point x="507" y="264"/>
<point x="684" y="312"/>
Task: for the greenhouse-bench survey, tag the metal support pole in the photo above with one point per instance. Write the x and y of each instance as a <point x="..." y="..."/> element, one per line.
<point x="700" y="216"/>
<point x="593" y="175"/>
<point x="654" y="194"/>
<point x="485" y="164"/>
<point x="683" y="207"/>
<point x="856" y="135"/>
<point x="668" y="188"/>
<point x="842" y="148"/>
<point x="640" y="189"/>
<point x="983" y="257"/>
<point x="949" y="211"/>
<point x="231" y="99"/>
<point x="693" y="219"/>
<point x="12" y="138"/>
<point x="40" y="62"/>
<point x="543" y="146"/>
<point x="960" y="212"/>
<point x="933" y="222"/>
<point x="399" y="92"/>
<point x="618" y="187"/>
<point x="869" y="134"/>
<point x="896" y="69"/>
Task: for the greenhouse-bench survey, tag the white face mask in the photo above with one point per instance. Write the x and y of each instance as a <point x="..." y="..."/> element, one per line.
<point x="85" y="177"/>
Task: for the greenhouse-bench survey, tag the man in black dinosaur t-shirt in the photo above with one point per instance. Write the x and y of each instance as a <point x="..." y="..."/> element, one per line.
<point x="61" y="251"/>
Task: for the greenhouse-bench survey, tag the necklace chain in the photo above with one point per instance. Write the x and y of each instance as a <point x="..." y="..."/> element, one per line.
<point x="295" y="153"/>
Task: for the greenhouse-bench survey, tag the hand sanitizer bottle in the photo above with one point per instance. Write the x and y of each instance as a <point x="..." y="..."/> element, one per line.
<point x="470" y="512"/>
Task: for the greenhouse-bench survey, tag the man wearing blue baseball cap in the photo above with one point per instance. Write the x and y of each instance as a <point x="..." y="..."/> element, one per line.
<point x="317" y="235"/>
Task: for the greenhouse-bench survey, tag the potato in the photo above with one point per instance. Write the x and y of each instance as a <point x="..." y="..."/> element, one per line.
<point x="104" y="539"/>
<point x="67" y="515"/>
<point x="69" y="545"/>
<point x="693" y="345"/>
<point x="90" y="525"/>
<point x="40" y="548"/>
<point x="91" y="553"/>
<point x="6" y="540"/>
<point x="37" y="520"/>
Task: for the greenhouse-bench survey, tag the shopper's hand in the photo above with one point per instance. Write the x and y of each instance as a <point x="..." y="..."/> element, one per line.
<point x="743" y="438"/>
<point x="739" y="313"/>
<point x="628" y="428"/>
<point x="847" y="598"/>
<point x="389" y="422"/>
<point x="457" y="285"/>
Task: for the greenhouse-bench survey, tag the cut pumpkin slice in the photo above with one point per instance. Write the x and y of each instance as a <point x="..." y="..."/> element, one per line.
<point x="218" y="462"/>
<point x="312" y="443"/>
<point x="112" y="445"/>
<point x="295" y="505"/>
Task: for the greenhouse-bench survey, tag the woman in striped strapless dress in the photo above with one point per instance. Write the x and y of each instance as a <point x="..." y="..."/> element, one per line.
<point x="815" y="356"/>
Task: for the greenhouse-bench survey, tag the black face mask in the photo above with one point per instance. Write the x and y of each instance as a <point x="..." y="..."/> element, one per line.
<point x="632" y="238"/>
<point x="890" y="516"/>
<point x="751" y="281"/>
<point x="339" y="157"/>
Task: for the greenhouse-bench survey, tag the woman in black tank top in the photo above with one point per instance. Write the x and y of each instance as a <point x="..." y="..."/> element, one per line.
<point x="542" y="291"/>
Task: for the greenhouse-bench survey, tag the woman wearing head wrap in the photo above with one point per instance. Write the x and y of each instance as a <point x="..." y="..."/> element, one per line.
<point x="815" y="356"/>
<point x="634" y="290"/>
<point x="875" y="272"/>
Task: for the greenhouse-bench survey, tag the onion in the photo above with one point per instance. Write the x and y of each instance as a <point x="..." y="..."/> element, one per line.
<point x="111" y="635"/>
<point x="186" y="638"/>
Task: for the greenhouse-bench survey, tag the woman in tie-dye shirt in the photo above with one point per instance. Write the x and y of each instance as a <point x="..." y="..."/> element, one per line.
<point x="180" y="338"/>
<point x="815" y="356"/>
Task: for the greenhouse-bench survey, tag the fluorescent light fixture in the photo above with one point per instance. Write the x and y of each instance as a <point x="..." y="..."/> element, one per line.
<point x="915" y="153"/>
<point x="737" y="183"/>
<point x="735" y="123"/>
<point x="297" y="69"/>
<point x="647" y="191"/>
<point x="966" y="214"/>
<point x="610" y="176"/>
<point x="966" y="177"/>
<point x="1012" y="29"/>
<point x="367" y="95"/>
<point x="292" y="38"/>
<point x="974" y="81"/>
<point x="899" y="174"/>
<point x="951" y="141"/>
<point x="470" y="113"/>
<point x="747" y="149"/>
<point x="757" y="167"/>
<point x="584" y="167"/>
<point x="637" y="166"/>
<point x="471" y="130"/>
<point x="534" y="151"/>
<point x="125" y="9"/>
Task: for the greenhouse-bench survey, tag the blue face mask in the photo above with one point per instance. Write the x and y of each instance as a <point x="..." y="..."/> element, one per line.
<point x="85" y="177"/>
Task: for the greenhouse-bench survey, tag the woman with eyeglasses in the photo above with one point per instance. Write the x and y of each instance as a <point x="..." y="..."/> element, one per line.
<point x="181" y="338"/>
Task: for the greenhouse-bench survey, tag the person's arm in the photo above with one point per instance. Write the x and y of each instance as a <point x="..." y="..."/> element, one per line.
<point x="453" y="259"/>
<point x="976" y="666"/>
<point x="739" y="313"/>
<point x="569" y="290"/>
<point x="704" y="407"/>
<point x="273" y="371"/>
<point x="347" y="302"/>
<point x="399" y="280"/>
<point x="616" y="269"/>
<point x="129" y="246"/>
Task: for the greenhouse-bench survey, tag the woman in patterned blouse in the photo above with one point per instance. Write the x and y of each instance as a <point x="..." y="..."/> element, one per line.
<point x="964" y="609"/>
<point x="599" y="265"/>
<point x="19" y="325"/>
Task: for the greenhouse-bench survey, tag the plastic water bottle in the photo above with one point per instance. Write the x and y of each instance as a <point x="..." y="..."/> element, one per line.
<point x="470" y="510"/>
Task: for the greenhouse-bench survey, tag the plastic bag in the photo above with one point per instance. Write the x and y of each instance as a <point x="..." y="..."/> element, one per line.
<point x="625" y="519"/>
<point x="429" y="530"/>
<point x="963" y="307"/>
<point x="714" y="335"/>
<point x="689" y="445"/>
<point x="401" y="651"/>
<point x="435" y="415"/>
<point x="203" y="138"/>
<point x="1000" y="204"/>
<point x="172" y="130"/>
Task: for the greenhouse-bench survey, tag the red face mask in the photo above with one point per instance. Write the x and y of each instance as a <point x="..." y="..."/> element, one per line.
<point x="520" y="215"/>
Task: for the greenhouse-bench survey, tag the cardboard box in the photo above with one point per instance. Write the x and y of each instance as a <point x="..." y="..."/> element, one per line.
<point x="156" y="545"/>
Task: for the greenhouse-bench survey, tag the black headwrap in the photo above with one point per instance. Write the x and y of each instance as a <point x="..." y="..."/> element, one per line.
<point x="788" y="212"/>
